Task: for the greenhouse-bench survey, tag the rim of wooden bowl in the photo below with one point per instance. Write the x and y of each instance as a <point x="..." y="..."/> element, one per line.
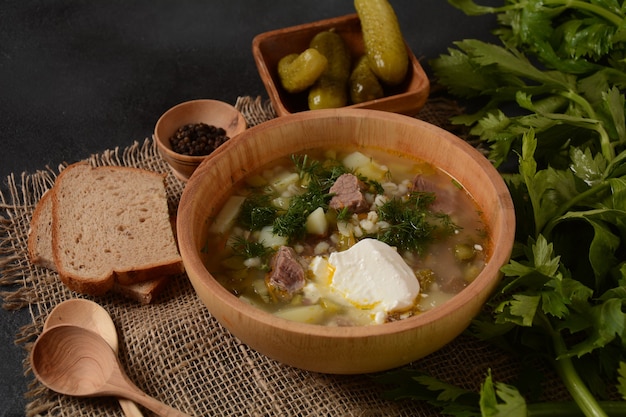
<point x="195" y="111"/>
<point x="268" y="47"/>
<point x="478" y="291"/>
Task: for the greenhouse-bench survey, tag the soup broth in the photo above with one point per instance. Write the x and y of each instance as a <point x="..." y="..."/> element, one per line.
<point x="286" y="239"/>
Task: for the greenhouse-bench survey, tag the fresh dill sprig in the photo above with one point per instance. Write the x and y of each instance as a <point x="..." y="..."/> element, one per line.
<point x="292" y="223"/>
<point x="248" y="249"/>
<point x="324" y="174"/>
<point x="317" y="177"/>
<point x="344" y="214"/>
<point x="412" y="223"/>
<point x="371" y="185"/>
<point x="257" y="212"/>
<point x="318" y="174"/>
<point x="304" y="165"/>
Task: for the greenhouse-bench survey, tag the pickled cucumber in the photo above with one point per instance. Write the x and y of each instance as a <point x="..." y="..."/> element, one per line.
<point x="384" y="43"/>
<point x="297" y="72"/>
<point x="330" y="90"/>
<point x="364" y="86"/>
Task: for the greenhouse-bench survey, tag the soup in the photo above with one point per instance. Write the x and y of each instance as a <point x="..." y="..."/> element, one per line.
<point x="346" y="237"/>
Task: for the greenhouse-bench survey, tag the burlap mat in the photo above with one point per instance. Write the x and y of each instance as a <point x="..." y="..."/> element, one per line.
<point x="177" y="352"/>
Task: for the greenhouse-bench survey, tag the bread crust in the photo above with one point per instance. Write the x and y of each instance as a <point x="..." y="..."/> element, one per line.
<point x="124" y="281"/>
<point x="42" y="217"/>
<point x="143" y="292"/>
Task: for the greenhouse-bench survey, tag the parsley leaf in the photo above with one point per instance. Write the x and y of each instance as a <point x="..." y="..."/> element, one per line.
<point x="560" y="66"/>
<point x="551" y="96"/>
<point x="512" y="404"/>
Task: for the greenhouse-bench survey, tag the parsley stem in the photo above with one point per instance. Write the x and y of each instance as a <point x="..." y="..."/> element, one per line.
<point x="475" y="9"/>
<point x="578" y="99"/>
<point x="600" y="11"/>
<point x="571" y="409"/>
<point x="605" y="141"/>
<point x="573" y="202"/>
<point x="569" y="375"/>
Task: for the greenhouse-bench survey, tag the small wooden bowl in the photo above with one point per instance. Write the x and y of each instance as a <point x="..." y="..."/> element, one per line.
<point x="344" y="350"/>
<point x="211" y="112"/>
<point x="269" y="47"/>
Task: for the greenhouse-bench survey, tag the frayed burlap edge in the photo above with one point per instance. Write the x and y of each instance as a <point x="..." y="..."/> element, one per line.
<point x="208" y="371"/>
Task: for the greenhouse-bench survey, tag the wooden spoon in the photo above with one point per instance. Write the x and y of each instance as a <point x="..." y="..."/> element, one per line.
<point x="72" y="360"/>
<point x="92" y="316"/>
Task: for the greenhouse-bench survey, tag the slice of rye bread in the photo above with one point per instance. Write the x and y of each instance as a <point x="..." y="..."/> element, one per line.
<point x="40" y="253"/>
<point x="111" y="224"/>
<point x="40" y="234"/>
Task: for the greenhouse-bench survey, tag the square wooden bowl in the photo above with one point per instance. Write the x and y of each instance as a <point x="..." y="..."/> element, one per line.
<point x="269" y="47"/>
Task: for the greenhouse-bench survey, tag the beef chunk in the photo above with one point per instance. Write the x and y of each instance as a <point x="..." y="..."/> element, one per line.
<point x="452" y="284"/>
<point x="348" y="193"/>
<point x="445" y="201"/>
<point x="287" y="275"/>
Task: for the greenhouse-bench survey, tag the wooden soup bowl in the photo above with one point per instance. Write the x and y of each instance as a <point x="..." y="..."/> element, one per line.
<point x="344" y="350"/>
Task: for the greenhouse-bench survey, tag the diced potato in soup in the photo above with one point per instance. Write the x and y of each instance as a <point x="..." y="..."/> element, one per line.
<point x="316" y="223"/>
<point x="227" y="215"/>
<point x="396" y="238"/>
<point x="364" y="165"/>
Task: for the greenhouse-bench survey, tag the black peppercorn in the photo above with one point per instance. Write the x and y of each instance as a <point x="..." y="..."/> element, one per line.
<point x="197" y="139"/>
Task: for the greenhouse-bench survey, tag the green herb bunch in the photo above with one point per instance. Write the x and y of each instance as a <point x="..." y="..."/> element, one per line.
<point x="553" y="97"/>
<point x="559" y="70"/>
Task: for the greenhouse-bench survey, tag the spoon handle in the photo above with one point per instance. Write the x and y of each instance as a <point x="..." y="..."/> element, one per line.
<point x="121" y="386"/>
<point x="129" y="408"/>
<point x="155" y="405"/>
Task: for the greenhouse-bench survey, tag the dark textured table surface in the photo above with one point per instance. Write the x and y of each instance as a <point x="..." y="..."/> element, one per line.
<point x="79" y="77"/>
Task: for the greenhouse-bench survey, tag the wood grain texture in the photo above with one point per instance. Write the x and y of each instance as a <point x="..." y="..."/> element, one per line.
<point x="90" y="315"/>
<point x="345" y="350"/>
<point x="72" y="360"/>
<point x="268" y="48"/>
<point x="211" y="112"/>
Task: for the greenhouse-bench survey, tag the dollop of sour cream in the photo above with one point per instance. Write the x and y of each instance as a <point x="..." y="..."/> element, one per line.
<point x="371" y="275"/>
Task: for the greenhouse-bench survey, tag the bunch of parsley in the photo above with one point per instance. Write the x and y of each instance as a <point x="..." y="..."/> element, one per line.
<point x="559" y="70"/>
<point x="551" y="96"/>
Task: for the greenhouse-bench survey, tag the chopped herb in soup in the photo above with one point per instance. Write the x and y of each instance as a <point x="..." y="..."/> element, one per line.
<point x="344" y="238"/>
